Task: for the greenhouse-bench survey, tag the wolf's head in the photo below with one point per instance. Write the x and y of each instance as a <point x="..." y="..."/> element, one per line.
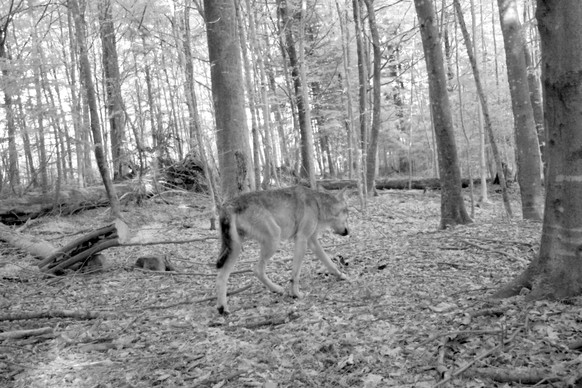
<point x="338" y="213"/>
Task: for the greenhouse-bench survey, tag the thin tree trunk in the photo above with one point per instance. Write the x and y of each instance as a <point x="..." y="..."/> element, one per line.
<point x="112" y="81"/>
<point x="462" y="123"/>
<point x="363" y="87"/>
<point x="251" y="95"/>
<point x="301" y="96"/>
<point x="75" y="103"/>
<point x="537" y="103"/>
<point x="37" y="68"/>
<point x="13" y="168"/>
<point x="376" y="100"/>
<point x="26" y="144"/>
<point x="352" y="134"/>
<point x="194" y="119"/>
<point x="485" y="109"/>
<point x="255" y="45"/>
<point x="92" y="102"/>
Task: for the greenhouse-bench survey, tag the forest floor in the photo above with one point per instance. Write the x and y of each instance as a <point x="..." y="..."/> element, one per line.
<point x="416" y="311"/>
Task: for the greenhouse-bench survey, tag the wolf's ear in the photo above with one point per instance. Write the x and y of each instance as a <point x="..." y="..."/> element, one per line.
<point x="342" y="194"/>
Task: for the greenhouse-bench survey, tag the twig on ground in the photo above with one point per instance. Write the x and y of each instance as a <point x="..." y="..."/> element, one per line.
<point x="516" y="258"/>
<point x="514" y="375"/>
<point x="175" y="273"/>
<point x="211" y="381"/>
<point x="479" y="357"/>
<point x="132" y="244"/>
<point x="190" y="301"/>
<point x="450" y="333"/>
<point x="16" y="334"/>
<point x="75" y="314"/>
<point x="275" y="321"/>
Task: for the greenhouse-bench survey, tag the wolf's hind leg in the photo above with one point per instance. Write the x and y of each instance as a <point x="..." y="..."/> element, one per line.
<point x="324" y="258"/>
<point x="268" y="248"/>
<point x="222" y="277"/>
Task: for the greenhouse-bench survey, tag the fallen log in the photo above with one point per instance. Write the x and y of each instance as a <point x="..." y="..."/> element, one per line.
<point x="392" y="184"/>
<point x="35" y="246"/>
<point x="18" y="210"/>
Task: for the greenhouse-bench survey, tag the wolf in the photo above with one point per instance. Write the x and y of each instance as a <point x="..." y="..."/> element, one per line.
<point x="295" y="213"/>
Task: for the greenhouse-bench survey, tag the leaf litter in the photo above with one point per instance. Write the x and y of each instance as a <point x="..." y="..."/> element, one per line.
<point x="416" y="311"/>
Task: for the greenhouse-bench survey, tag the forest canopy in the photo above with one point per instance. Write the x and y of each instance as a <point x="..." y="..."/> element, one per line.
<point x="45" y="121"/>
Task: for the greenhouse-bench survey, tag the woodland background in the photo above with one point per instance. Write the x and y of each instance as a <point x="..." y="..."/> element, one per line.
<point x="146" y="50"/>
<point x="135" y="77"/>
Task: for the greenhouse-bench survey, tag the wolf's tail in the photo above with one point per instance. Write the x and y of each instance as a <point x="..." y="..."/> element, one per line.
<point x="225" y="221"/>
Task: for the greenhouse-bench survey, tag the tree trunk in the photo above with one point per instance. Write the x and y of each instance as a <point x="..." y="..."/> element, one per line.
<point x="453" y="210"/>
<point x="285" y="159"/>
<point x="228" y="97"/>
<point x="251" y="95"/>
<point x="526" y="140"/>
<point x="485" y="108"/>
<point x="195" y="132"/>
<point x="76" y="112"/>
<point x="363" y="88"/>
<point x="13" y="169"/>
<point x="270" y="156"/>
<point x="301" y="95"/>
<point x="39" y="111"/>
<point x="112" y="80"/>
<point x="557" y="272"/>
<point x="94" y="112"/>
<point x="352" y="135"/>
<point x="537" y="103"/>
<point x="26" y="145"/>
<point x="376" y="99"/>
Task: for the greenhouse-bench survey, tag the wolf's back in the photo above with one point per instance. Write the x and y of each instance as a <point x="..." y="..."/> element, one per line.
<point x="224" y="221"/>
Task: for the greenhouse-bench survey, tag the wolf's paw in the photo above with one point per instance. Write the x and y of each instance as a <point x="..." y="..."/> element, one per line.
<point x="223" y="310"/>
<point x="278" y="289"/>
<point x="294" y="291"/>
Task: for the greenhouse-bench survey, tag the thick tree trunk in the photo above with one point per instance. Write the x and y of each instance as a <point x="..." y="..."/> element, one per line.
<point x="228" y="96"/>
<point x="557" y="272"/>
<point x="526" y="140"/>
<point x="453" y="210"/>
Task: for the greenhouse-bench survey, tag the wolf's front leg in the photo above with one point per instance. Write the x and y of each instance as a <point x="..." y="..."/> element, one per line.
<point x="298" y="255"/>
<point x="322" y="256"/>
